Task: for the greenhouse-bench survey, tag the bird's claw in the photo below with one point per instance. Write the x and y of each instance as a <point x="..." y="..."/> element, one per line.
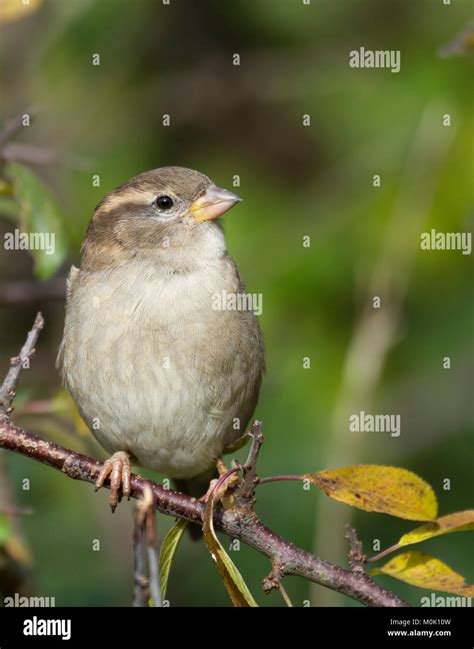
<point x="119" y="469"/>
<point x="225" y="493"/>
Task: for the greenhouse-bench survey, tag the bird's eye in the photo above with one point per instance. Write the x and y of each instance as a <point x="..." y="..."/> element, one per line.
<point x="164" y="202"/>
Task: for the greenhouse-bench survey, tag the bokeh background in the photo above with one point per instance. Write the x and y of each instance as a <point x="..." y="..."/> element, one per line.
<point x="297" y="181"/>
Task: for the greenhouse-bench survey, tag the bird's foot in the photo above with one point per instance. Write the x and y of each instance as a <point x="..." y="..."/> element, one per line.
<point x="119" y="469"/>
<point x="226" y="489"/>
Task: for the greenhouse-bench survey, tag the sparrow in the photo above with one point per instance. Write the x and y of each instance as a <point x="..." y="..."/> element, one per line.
<point x="162" y="377"/>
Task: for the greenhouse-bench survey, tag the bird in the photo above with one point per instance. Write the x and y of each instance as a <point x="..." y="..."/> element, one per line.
<point x="162" y="378"/>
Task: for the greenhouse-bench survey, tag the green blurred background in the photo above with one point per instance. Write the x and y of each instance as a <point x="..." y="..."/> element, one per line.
<point x="297" y="181"/>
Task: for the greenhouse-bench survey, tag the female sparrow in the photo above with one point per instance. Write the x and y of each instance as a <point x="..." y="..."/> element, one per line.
<point x="161" y="377"/>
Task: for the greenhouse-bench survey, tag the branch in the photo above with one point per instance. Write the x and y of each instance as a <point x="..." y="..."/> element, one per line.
<point x="239" y="522"/>
<point x="144" y="543"/>
<point x="140" y="589"/>
<point x="8" y="389"/>
<point x="245" y="492"/>
<point x="15" y="568"/>
<point x="274" y="581"/>
<point x="355" y="555"/>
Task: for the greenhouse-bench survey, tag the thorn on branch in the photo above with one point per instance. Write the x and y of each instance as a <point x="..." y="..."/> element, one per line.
<point x="356" y="557"/>
<point x="245" y="492"/>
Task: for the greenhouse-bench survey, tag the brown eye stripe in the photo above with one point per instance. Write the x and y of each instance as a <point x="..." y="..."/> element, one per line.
<point x="125" y="197"/>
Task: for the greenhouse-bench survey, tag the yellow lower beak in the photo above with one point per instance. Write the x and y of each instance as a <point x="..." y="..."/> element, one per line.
<point x="213" y="203"/>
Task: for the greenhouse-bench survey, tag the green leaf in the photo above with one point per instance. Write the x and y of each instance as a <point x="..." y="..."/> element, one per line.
<point x="425" y="571"/>
<point x="167" y="552"/>
<point x="384" y="489"/>
<point x="39" y="214"/>
<point x="6" y="529"/>
<point x="233" y="581"/>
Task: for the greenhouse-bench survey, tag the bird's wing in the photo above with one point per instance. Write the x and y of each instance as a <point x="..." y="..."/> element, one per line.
<point x="71" y="280"/>
<point x="73" y="273"/>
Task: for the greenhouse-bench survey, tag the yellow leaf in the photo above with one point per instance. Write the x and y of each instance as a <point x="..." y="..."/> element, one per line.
<point x="233" y="580"/>
<point x="374" y="488"/>
<point x="457" y="522"/>
<point x="422" y="570"/>
<point x="167" y="552"/>
<point x="11" y="10"/>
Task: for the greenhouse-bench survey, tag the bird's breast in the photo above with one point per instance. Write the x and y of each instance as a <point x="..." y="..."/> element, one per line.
<point x="154" y="369"/>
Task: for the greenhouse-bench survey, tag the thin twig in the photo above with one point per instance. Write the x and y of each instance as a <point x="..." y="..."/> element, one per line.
<point x="151" y="546"/>
<point x="383" y="553"/>
<point x="280" y="478"/>
<point x="285" y="596"/>
<point x="7" y="394"/>
<point x="274" y="581"/>
<point x="153" y="568"/>
<point x="8" y="389"/>
<point x="356" y="557"/>
<point x="140" y="590"/>
<point x="147" y="577"/>
<point x="245" y="492"/>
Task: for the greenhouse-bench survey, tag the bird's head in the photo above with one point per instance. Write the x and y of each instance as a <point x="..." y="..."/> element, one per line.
<point x="168" y="214"/>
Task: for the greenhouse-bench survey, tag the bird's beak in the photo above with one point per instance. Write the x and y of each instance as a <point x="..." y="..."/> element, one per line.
<point x="213" y="203"/>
